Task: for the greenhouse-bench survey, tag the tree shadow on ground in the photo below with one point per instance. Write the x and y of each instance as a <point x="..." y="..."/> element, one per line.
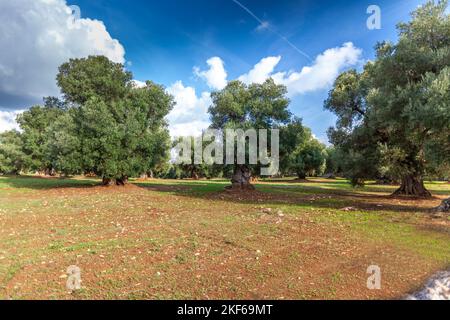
<point x="311" y="196"/>
<point x="45" y="183"/>
<point x="330" y="194"/>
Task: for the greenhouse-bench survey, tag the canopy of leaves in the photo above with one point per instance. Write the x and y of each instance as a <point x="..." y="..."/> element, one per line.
<point x="260" y="106"/>
<point x="12" y="158"/>
<point x="300" y="153"/>
<point x="255" y="106"/>
<point x="34" y="124"/>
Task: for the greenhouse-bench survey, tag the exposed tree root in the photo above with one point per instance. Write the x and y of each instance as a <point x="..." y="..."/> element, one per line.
<point x="412" y="186"/>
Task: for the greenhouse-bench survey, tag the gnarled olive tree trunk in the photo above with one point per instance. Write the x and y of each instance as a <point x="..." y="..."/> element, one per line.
<point x="241" y="179"/>
<point x="412" y="186"/>
<point x="115" y="182"/>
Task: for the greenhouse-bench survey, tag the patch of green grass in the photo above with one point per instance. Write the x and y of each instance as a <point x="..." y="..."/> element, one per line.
<point x="336" y="278"/>
<point x="56" y="245"/>
<point x="11" y="271"/>
<point x="186" y="187"/>
<point x="380" y="227"/>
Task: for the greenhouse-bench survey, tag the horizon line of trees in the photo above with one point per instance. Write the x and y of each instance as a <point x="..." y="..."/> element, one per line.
<point x="106" y="126"/>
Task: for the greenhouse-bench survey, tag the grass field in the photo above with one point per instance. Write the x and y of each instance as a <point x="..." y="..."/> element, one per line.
<point x="162" y="239"/>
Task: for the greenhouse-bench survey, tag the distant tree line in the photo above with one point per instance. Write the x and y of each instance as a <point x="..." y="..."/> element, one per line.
<point x="301" y="155"/>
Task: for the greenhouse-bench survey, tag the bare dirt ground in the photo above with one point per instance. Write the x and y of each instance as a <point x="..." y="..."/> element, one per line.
<point x="176" y="240"/>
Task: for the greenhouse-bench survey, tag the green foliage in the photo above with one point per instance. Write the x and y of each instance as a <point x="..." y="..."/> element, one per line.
<point x="260" y="106"/>
<point x="172" y="172"/>
<point x="119" y="127"/>
<point x="292" y="135"/>
<point x="300" y="153"/>
<point x="12" y="158"/>
<point x="62" y="146"/>
<point x="96" y="76"/>
<point x="334" y="161"/>
<point x="34" y="124"/>
<point x="193" y="170"/>
<point x="255" y="106"/>
<point x="309" y="159"/>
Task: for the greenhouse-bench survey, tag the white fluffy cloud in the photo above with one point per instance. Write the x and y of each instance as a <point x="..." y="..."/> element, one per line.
<point x="139" y="84"/>
<point x="36" y="37"/>
<point x="261" y="71"/>
<point x="215" y="76"/>
<point x="190" y="114"/>
<point x="190" y="129"/>
<point x="322" y="73"/>
<point x="318" y="76"/>
<point x="8" y="120"/>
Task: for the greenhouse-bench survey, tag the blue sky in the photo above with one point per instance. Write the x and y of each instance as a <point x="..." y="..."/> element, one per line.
<point x="167" y="41"/>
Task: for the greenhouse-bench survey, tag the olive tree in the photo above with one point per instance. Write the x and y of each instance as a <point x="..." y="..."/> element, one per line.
<point x="394" y="116"/>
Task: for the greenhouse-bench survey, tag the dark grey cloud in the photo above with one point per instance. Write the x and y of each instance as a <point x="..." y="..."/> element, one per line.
<point x="10" y="102"/>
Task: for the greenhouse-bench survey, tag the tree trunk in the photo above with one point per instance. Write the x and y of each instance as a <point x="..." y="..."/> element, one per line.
<point x="118" y="182"/>
<point x="301" y="175"/>
<point x="194" y="174"/>
<point x="241" y="179"/>
<point x="412" y="186"/>
<point x="108" y="182"/>
<point x="122" y="181"/>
